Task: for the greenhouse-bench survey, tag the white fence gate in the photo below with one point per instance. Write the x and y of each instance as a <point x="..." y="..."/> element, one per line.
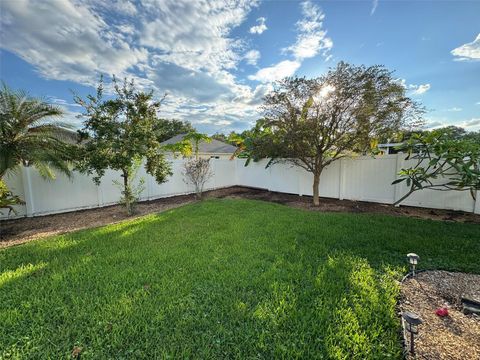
<point x="361" y="178"/>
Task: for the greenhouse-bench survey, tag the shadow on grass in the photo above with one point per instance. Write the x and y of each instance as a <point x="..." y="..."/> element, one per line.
<point x="221" y="279"/>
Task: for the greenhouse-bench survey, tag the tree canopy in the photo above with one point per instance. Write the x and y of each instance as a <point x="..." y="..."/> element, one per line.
<point x="120" y="131"/>
<point x="451" y="132"/>
<point x="314" y="122"/>
<point x="168" y="128"/>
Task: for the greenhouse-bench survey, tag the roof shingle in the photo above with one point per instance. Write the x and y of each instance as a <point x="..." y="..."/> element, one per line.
<point x="213" y="147"/>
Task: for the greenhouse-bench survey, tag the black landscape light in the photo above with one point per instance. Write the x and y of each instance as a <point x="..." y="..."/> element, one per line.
<point x="413" y="260"/>
<point x="412" y="321"/>
<point x="470" y="306"/>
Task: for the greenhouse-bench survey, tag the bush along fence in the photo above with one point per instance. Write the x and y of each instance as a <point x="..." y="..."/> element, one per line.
<point x="361" y="178"/>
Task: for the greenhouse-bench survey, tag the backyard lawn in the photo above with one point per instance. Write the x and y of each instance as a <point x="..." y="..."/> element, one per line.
<point x="222" y="279"/>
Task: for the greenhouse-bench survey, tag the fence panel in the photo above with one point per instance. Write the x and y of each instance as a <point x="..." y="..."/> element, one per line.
<point x="224" y="173"/>
<point x="16" y="185"/>
<point x="362" y="178"/>
<point x="369" y="179"/>
<point x="59" y="195"/>
<point x="253" y="175"/>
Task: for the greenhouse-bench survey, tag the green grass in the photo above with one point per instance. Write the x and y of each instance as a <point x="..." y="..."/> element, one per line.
<point x="222" y="279"/>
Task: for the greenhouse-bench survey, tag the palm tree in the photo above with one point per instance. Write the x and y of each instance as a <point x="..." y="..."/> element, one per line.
<point x="29" y="136"/>
<point x="195" y="139"/>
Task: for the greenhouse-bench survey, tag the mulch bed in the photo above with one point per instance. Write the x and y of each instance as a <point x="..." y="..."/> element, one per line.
<point x="17" y="231"/>
<point x="456" y="336"/>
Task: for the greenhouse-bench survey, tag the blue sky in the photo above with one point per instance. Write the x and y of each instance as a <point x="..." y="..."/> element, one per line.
<point x="217" y="59"/>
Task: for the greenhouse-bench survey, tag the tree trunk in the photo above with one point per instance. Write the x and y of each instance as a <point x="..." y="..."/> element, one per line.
<point x="126" y="193"/>
<point x="316" y="184"/>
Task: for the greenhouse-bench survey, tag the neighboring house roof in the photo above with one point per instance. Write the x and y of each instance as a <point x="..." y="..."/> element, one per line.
<point x="67" y="135"/>
<point x="391" y="148"/>
<point x="213" y="147"/>
<point x="387" y="145"/>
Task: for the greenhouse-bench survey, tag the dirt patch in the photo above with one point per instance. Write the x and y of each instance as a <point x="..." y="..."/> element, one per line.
<point x="456" y="336"/>
<point x="18" y="231"/>
<point x="335" y="205"/>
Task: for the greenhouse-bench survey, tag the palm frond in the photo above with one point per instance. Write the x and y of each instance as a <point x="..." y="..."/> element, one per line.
<point x="31" y="135"/>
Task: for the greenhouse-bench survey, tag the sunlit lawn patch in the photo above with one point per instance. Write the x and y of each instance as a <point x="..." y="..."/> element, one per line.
<point x="221" y="279"/>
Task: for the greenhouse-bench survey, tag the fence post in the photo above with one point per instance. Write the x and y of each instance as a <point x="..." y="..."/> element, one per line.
<point x="235" y="172"/>
<point x="476" y="206"/>
<point x="214" y="171"/>
<point x="341" y="186"/>
<point x="269" y="188"/>
<point x="299" y="180"/>
<point x="99" y="194"/>
<point x="29" y="201"/>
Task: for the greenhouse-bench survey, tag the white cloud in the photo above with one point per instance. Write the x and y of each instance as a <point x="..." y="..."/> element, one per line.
<point x="192" y="34"/>
<point x="311" y="38"/>
<point x="468" y="51"/>
<point x="414" y="89"/>
<point x="223" y="122"/>
<point x="260" y="27"/>
<point x="181" y="47"/>
<point x="126" y="29"/>
<point x="475" y="122"/>
<point x="454" y="109"/>
<point x="66" y="41"/>
<point x="204" y="121"/>
<point x="276" y="72"/>
<point x="252" y="57"/>
<point x="124" y="7"/>
<point x="61" y="102"/>
<point x="255" y="97"/>
<point x="434" y="124"/>
<point x="420" y="89"/>
<point x="374" y="7"/>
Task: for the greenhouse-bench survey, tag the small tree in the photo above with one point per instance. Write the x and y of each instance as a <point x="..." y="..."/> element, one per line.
<point x="442" y="161"/>
<point x="131" y="192"/>
<point x="117" y="133"/>
<point x="197" y="172"/>
<point x="312" y="123"/>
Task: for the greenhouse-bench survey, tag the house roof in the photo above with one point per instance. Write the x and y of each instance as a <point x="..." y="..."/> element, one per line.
<point x="390" y="144"/>
<point x="213" y="147"/>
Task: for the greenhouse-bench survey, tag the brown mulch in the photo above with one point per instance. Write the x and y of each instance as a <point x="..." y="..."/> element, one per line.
<point x="456" y="336"/>
<point x="17" y="231"/>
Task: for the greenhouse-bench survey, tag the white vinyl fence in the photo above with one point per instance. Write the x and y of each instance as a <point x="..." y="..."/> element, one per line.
<point x="361" y="178"/>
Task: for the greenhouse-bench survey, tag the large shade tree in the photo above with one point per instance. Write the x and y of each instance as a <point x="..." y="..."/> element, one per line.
<point x="119" y="132"/>
<point x="168" y="128"/>
<point x="311" y="123"/>
<point x="31" y="135"/>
